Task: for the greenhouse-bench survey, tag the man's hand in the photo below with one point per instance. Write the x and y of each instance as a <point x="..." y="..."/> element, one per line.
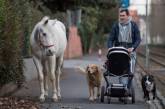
<point x="130" y="50"/>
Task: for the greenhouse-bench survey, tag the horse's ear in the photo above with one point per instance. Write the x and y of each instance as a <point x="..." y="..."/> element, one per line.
<point x="45" y="20"/>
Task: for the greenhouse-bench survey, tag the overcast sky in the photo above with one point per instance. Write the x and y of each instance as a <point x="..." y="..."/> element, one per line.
<point x="141" y="6"/>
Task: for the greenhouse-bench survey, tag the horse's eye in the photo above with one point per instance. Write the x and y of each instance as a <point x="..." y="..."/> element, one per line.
<point x="44" y="34"/>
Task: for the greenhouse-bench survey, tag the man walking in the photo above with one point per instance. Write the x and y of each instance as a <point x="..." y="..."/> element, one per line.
<point x="125" y="33"/>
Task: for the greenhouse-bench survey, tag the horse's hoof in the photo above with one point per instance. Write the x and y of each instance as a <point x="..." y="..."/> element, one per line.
<point x="42" y="100"/>
<point x="91" y="99"/>
<point x="95" y="98"/>
<point x="55" y="99"/>
<point x="59" y="97"/>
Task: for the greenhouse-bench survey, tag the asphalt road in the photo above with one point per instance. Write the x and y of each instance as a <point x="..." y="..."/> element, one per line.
<point x="74" y="88"/>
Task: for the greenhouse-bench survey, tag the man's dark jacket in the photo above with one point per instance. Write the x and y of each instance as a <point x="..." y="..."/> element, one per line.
<point x="113" y="38"/>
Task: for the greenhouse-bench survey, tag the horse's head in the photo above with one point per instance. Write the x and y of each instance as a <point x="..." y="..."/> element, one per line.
<point x="45" y="37"/>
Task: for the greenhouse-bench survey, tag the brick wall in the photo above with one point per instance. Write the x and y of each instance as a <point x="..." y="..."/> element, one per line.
<point x="74" y="48"/>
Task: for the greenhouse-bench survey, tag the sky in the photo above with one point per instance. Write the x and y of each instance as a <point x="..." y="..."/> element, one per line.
<point x="141" y="6"/>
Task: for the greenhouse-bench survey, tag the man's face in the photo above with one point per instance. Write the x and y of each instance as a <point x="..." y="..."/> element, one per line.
<point x="123" y="17"/>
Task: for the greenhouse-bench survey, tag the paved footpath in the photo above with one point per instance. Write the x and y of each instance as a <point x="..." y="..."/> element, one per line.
<point x="74" y="88"/>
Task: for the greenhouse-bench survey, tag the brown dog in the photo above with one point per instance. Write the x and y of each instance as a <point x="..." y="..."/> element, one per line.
<point x="94" y="80"/>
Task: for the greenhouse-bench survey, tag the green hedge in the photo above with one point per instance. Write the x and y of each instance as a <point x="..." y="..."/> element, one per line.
<point x="11" y="64"/>
<point x="96" y="22"/>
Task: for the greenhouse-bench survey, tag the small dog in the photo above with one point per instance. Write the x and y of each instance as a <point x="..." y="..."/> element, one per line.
<point x="148" y="86"/>
<point x="94" y="80"/>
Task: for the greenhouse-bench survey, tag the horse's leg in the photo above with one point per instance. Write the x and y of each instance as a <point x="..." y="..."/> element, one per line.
<point x="46" y="78"/>
<point x="39" y="68"/>
<point x="58" y="74"/>
<point x="51" y="67"/>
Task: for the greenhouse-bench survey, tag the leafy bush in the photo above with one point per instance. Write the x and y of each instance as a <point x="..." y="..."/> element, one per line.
<point x="88" y="26"/>
<point x="11" y="64"/>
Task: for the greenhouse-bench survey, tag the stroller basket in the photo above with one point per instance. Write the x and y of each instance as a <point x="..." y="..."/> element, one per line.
<point x="117" y="90"/>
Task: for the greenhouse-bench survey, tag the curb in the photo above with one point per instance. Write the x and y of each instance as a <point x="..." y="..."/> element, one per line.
<point x="161" y="99"/>
<point x="8" y="89"/>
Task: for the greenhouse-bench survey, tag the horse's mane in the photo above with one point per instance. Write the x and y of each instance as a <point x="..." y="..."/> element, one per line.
<point x="36" y="33"/>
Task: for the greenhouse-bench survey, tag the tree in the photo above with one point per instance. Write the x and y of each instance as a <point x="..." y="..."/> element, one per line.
<point x="88" y="26"/>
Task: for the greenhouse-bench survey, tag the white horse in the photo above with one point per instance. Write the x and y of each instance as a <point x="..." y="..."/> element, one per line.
<point x="48" y="42"/>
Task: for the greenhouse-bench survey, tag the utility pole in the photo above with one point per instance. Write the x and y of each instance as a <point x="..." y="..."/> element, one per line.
<point x="147" y="30"/>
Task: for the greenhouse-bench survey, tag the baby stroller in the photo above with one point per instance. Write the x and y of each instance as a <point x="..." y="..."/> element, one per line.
<point x="118" y="65"/>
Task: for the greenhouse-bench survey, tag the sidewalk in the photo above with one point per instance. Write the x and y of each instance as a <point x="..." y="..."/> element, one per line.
<point x="73" y="86"/>
<point x="31" y="73"/>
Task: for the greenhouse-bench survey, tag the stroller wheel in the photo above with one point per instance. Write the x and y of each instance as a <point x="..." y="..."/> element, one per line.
<point x="102" y="94"/>
<point x="133" y="95"/>
<point x="109" y="99"/>
<point x="125" y="100"/>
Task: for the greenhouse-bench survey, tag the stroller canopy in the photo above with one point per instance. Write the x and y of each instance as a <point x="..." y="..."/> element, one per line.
<point x="119" y="61"/>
